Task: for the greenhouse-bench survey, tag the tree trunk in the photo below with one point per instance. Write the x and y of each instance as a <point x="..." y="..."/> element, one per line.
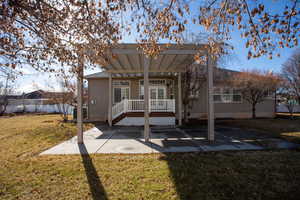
<point x="253" y="111"/>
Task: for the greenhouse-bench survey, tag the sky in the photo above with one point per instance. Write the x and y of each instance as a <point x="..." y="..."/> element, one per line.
<point x="33" y="80"/>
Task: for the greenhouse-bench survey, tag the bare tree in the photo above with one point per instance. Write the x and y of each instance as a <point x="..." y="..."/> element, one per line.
<point x="288" y="98"/>
<point x="291" y="74"/>
<point x="68" y="32"/>
<point x="65" y="98"/>
<point x="255" y="86"/>
<point x="7" y="87"/>
<point x="193" y="79"/>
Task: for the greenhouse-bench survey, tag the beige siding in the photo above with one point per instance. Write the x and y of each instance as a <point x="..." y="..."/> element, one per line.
<point x="134" y="88"/>
<point x="98" y="92"/>
<point x="231" y="110"/>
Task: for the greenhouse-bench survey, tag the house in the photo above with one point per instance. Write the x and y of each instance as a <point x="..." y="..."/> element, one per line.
<point x="119" y="93"/>
<point x="135" y="89"/>
<point x="128" y="91"/>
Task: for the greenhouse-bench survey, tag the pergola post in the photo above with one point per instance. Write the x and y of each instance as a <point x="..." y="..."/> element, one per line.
<point x="79" y="104"/>
<point x="146" y="99"/>
<point x="210" y="99"/>
<point x="109" y="118"/>
<point x="179" y="100"/>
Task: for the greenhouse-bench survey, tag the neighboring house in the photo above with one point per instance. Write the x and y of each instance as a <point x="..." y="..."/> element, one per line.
<point x="36" y="101"/>
<point x="128" y="91"/>
<point x="45" y="95"/>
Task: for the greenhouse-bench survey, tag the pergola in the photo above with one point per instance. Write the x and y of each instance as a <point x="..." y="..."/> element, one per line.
<point x="128" y="59"/>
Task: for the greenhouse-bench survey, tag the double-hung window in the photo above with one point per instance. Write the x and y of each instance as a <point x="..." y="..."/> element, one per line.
<point x="227" y="95"/>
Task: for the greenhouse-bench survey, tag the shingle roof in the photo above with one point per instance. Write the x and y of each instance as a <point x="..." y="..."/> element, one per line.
<point x="97" y="75"/>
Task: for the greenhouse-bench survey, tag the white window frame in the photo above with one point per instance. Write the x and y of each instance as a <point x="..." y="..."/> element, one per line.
<point x="157" y="87"/>
<point x="117" y="83"/>
<point x="164" y="84"/>
<point x="120" y="86"/>
<point x="231" y="94"/>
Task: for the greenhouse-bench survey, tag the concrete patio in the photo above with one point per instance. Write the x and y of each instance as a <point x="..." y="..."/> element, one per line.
<point x="130" y="140"/>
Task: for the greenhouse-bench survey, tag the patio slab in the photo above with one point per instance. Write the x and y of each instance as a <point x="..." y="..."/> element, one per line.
<point x="91" y="141"/>
<point x="129" y="140"/>
<point x="173" y="145"/>
<point x="128" y="146"/>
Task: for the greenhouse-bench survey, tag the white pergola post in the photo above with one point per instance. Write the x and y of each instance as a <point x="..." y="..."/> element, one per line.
<point x="146" y="99"/>
<point x="109" y="118"/>
<point x="79" y="104"/>
<point x="210" y="100"/>
<point x="179" y="100"/>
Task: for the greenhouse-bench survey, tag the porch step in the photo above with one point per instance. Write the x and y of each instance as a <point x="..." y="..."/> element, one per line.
<point x="141" y="114"/>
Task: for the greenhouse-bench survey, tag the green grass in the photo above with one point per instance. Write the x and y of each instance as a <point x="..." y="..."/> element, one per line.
<point x="224" y="175"/>
<point x="280" y="127"/>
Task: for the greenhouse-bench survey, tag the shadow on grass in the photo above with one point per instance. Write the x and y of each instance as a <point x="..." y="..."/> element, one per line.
<point x="96" y="187"/>
<point x="233" y="176"/>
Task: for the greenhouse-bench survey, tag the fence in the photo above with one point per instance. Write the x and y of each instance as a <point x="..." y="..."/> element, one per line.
<point x="36" y="105"/>
<point x="283" y="108"/>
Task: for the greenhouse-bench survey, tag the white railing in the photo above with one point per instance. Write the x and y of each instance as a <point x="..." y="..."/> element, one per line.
<point x="137" y="105"/>
<point x="162" y="105"/>
<point x="118" y="109"/>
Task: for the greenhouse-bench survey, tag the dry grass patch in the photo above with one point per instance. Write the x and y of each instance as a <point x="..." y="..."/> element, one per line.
<point x="239" y="175"/>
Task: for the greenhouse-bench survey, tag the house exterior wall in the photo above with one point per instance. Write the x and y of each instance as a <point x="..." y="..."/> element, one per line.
<point x="98" y="95"/>
<point x="134" y="88"/>
<point x="231" y="110"/>
<point x="98" y="102"/>
<point x="97" y="99"/>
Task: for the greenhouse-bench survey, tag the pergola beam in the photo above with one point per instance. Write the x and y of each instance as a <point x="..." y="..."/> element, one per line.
<point x="128" y="60"/>
<point x="162" y="57"/>
<point x="79" y="104"/>
<point x="172" y="62"/>
<point x="109" y="118"/>
<point x="179" y="100"/>
<point x="170" y="51"/>
<point x="210" y="99"/>
<point x="142" y="71"/>
<point x="119" y="63"/>
<point x="146" y="99"/>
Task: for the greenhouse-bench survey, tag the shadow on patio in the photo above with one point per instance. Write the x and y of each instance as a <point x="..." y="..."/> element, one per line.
<point x="96" y="187"/>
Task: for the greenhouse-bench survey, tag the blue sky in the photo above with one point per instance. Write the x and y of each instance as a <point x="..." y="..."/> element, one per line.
<point x="32" y="80"/>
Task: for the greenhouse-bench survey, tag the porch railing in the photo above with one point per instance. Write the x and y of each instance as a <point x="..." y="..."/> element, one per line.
<point x="137" y="105"/>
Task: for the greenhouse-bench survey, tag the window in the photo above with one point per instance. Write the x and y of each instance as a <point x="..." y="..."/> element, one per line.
<point x="157" y="83"/>
<point x="154" y="82"/>
<point x="120" y="90"/>
<point x="227" y="95"/>
<point x="120" y="83"/>
<point x="120" y="93"/>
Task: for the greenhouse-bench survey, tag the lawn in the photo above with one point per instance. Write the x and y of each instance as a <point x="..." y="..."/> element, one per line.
<point x="280" y="127"/>
<point x="225" y="175"/>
